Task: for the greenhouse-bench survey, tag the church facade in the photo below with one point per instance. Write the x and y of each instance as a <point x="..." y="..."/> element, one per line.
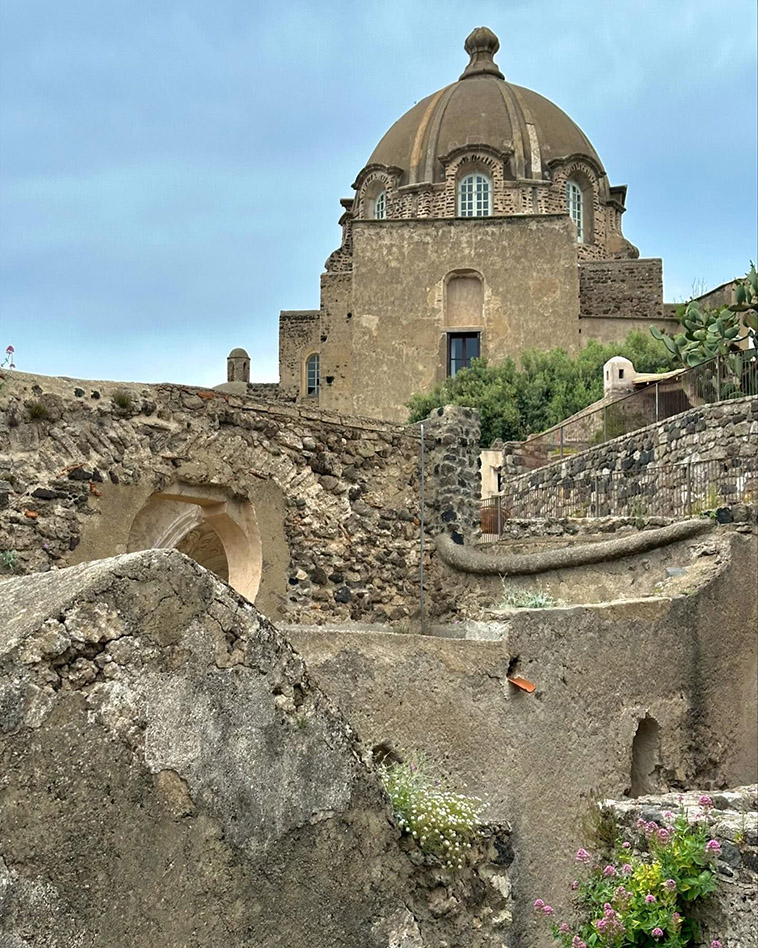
<point x="483" y="224"/>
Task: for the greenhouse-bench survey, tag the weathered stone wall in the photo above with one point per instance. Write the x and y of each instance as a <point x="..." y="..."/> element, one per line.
<point x="172" y="777"/>
<point x="730" y="915"/>
<point x="299" y="336"/>
<point x="394" y="341"/>
<point x="618" y="296"/>
<point x="330" y="504"/>
<point x="690" y="662"/>
<point x="647" y="471"/>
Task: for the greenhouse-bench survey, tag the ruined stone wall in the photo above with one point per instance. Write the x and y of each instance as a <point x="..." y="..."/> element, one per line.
<point x="618" y="296"/>
<point x="173" y="777"/>
<point x="331" y="504"/>
<point x="396" y="341"/>
<point x="299" y="332"/>
<point x="646" y="471"/>
<point x="688" y="662"/>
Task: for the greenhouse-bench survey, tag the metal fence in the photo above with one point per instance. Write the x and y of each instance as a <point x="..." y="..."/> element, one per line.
<point x="712" y="381"/>
<point x="670" y="490"/>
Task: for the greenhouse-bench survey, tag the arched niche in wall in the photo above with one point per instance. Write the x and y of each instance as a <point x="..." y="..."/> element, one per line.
<point x="646" y="758"/>
<point x="218" y="530"/>
<point x="463" y="300"/>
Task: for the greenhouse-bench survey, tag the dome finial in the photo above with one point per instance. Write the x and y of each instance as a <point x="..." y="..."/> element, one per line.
<point x="481" y="45"/>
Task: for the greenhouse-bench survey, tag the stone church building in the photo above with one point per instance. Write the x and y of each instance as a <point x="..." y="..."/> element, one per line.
<point x="483" y="224"/>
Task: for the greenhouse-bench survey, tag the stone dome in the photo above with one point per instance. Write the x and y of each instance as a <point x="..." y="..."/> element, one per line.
<point x="238" y="354"/>
<point x="481" y="108"/>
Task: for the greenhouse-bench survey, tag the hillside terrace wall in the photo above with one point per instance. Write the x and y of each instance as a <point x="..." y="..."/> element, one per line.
<point x="646" y="471"/>
<point x="337" y="499"/>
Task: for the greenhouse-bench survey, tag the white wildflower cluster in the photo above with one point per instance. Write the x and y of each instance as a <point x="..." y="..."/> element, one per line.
<point x="443" y="823"/>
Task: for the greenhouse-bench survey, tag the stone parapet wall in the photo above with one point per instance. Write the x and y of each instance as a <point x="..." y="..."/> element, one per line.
<point x="704" y="458"/>
<point x="335" y="499"/>
<point x="626" y="289"/>
<point x="730" y="915"/>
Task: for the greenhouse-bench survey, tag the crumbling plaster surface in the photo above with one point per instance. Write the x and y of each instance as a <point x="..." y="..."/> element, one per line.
<point x="688" y="662"/>
<point x="171" y="776"/>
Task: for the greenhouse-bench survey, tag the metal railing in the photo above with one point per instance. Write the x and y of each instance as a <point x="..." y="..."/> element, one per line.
<point x="670" y="490"/>
<point x="703" y="384"/>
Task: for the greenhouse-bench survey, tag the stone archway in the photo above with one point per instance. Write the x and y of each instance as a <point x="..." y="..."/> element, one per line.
<point x="209" y="524"/>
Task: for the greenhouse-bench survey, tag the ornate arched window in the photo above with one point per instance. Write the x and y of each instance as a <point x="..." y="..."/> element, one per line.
<point x="575" y="207"/>
<point x="380" y="206"/>
<point x="475" y="196"/>
<point x="312" y="374"/>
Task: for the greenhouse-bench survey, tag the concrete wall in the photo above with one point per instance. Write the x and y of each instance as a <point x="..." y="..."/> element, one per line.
<point x="395" y="343"/>
<point x="689" y="662"/>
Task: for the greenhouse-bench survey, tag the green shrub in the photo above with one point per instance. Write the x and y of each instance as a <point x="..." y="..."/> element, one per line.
<point x="644" y="895"/>
<point x="442" y="822"/>
<point x="37" y="411"/>
<point x="123" y="400"/>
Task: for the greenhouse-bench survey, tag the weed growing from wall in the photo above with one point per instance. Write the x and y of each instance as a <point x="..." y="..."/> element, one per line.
<point x="523" y="599"/>
<point x="443" y="823"/>
<point x="644" y="895"/>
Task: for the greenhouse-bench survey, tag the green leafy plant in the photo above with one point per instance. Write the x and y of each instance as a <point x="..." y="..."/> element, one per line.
<point x="728" y="332"/>
<point x="9" y="561"/>
<point x="544" y="389"/>
<point x="442" y="822"/>
<point x="644" y="895"/>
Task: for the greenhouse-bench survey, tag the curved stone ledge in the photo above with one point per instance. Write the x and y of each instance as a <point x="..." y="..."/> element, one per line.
<point x="469" y="560"/>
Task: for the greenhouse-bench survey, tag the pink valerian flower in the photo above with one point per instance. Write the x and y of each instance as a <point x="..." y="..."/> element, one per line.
<point x="640" y="823"/>
<point x="650" y="897"/>
<point x="582" y="856"/>
<point x="705" y="802"/>
<point x="657" y="933"/>
<point x="668" y="815"/>
<point x="650" y="828"/>
<point x="663" y="836"/>
<point x="563" y="928"/>
<point x="538" y="904"/>
<point x="627" y="869"/>
<point x="576" y="942"/>
<point x="713" y="846"/>
<point x="626" y="845"/>
<point x="548" y="910"/>
<point x="609" y="871"/>
<point x="670" y="884"/>
<point x="715" y="943"/>
<point x="575" y="884"/>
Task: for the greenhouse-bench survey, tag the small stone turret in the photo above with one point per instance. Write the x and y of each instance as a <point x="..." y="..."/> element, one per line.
<point x="238" y="366"/>
<point x="618" y="376"/>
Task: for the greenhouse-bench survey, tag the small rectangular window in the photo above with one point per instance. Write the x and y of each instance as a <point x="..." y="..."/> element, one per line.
<point x="462" y="347"/>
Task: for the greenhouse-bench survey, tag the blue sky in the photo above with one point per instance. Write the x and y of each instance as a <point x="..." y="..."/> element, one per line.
<point x="170" y="172"/>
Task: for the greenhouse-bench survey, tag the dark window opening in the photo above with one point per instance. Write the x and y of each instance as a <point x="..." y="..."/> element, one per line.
<point x="621" y="373"/>
<point x="462" y="347"/>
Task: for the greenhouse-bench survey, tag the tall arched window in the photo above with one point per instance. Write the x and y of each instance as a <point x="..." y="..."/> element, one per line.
<point x="380" y="206"/>
<point x="312" y="374"/>
<point x="574" y="205"/>
<point x="474" y="196"/>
